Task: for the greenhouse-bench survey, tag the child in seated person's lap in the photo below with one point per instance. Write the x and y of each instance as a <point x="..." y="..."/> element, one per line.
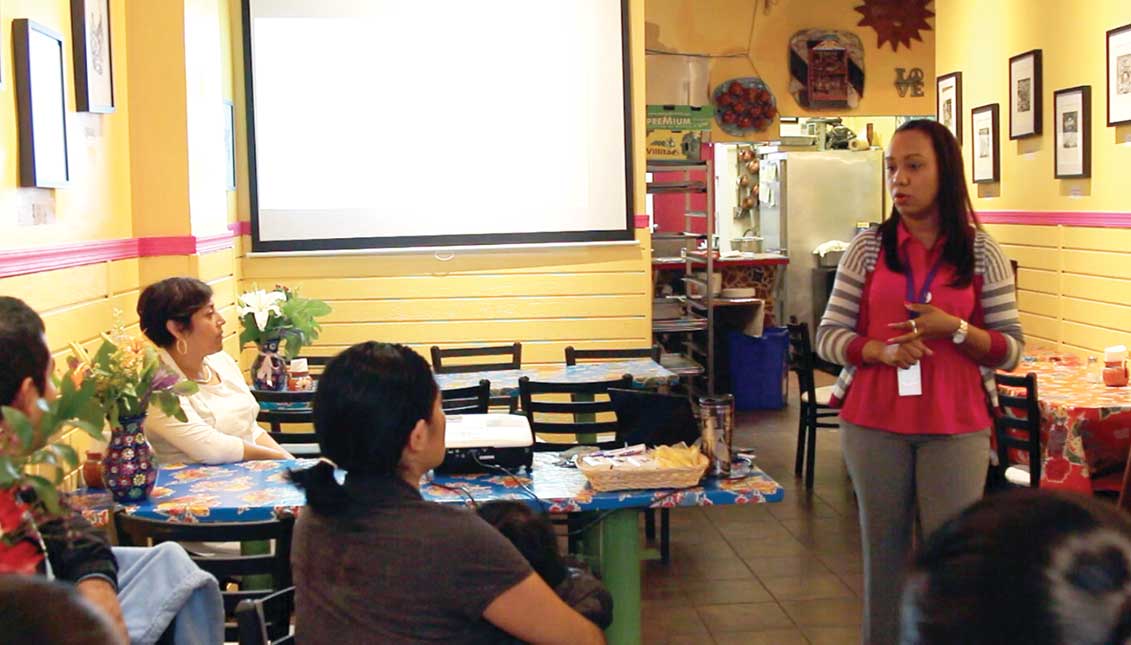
<point x="533" y="536"/>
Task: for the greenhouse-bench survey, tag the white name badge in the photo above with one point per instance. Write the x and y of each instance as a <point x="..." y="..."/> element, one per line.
<point x="910" y="381"/>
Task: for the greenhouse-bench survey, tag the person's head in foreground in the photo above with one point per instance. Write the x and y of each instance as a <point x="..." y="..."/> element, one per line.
<point x="531" y="533"/>
<point x="25" y="361"/>
<point x="1027" y="566"/>
<point x="36" y="610"/>
<point x="376" y="412"/>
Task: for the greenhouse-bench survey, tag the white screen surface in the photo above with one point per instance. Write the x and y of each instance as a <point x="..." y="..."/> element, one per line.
<point x="382" y="123"/>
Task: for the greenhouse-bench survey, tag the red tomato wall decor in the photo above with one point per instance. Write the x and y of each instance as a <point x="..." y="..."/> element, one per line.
<point x="744" y="105"/>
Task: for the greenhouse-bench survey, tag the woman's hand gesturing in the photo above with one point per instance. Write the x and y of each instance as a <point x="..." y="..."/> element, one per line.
<point x="904" y="355"/>
<point x="932" y="322"/>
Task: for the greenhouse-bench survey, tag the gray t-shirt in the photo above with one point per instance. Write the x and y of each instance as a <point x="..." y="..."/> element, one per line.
<point x="398" y="569"/>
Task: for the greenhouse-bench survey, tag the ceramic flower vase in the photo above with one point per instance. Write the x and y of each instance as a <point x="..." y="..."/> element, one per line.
<point x="269" y="370"/>
<point x="92" y="469"/>
<point x="128" y="469"/>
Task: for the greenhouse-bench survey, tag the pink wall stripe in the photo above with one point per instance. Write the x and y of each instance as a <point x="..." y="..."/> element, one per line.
<point x="62" y="256"/>
<point x="640" y="221"/>
<point x="1102" y="219"/>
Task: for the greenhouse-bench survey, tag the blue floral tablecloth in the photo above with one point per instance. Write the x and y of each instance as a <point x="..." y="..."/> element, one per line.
<point x="645" y="373"/>
<point x="258" y="490"/>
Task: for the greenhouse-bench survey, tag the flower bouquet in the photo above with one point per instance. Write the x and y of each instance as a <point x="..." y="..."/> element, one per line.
<point x="28" y="490"/>
<point x="128" y="377"/>
<point x="271" y="318"/>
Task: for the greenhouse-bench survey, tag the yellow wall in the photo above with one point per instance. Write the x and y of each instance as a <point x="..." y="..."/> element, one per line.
<point x="751" y="38"/>
<point x="96" y="203"/>
<point x="129" y="169"/>
<point x="595" y="296"/>
<point x="1075" y="282"/>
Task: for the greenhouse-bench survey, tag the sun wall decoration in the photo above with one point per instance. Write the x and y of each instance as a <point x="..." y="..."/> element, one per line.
<point x="896" y="21"/>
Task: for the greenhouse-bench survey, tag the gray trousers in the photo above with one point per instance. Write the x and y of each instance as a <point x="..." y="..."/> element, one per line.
<point x="898" y="478"/>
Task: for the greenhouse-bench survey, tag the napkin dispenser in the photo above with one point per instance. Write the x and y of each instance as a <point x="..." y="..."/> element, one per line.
<point x="486" y="443"/>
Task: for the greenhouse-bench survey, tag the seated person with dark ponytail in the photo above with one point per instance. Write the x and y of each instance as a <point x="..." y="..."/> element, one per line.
<point x="373" y="561"/>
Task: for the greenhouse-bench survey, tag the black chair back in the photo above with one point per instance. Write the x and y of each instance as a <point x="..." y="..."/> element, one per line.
<point x="1017" y="423"/>
<point x="513" y="353"/>
<point x="802" y="360"/>
<point x="474" y="399"/>
<point x="572" y="355"/>
<point x="138" y="531"/>
<point x="252" y="618"/>
<point x="295" y="408"/>
<point x="577" y="416"/>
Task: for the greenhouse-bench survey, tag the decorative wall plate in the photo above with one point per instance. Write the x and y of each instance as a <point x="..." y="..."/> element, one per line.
<point x="744" y="105"/>
<point x="826" y="69"/>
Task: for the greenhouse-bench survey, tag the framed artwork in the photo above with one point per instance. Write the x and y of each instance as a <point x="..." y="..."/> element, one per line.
<point x="949" y="109"/>
<point x="1073" y="156"/>
<point x="1025" y="94"/>
<point x="41" y="100"/>
<point x="229" y="118"/>
<point x="985" y="134"/>
<point x="94" y="69"/>
<point x="1119" y="75"/>
<point x="826" y="68"/>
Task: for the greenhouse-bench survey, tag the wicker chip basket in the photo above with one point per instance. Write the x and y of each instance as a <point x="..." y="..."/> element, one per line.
<point x="604" y="478"/>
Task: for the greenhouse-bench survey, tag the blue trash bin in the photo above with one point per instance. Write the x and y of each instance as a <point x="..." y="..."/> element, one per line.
<point x="758" y="368"/>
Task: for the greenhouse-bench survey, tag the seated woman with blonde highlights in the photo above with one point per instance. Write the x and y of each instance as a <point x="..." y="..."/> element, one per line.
<point x="178" y="315"/>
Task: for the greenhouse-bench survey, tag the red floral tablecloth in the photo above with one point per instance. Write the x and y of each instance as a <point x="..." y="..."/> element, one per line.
<point x="1085" y="425"/>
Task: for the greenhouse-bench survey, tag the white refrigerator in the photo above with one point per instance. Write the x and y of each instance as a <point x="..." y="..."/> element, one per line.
<point x="807" y="198"/>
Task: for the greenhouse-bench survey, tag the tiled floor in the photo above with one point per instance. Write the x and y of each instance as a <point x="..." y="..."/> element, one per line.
<point x="774" y="574"/>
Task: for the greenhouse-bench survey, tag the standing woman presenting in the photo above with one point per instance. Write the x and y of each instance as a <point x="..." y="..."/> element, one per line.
<point x="921" y="314"/>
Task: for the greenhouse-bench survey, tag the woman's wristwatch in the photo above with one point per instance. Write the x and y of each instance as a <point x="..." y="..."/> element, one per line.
<point x="959" y="335"/>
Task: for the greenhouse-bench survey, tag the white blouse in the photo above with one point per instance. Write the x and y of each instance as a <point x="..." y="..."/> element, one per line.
<point x="221" y="418"/>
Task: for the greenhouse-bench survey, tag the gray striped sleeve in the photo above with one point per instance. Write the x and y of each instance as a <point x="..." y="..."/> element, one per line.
<point x="999" y="300"/>
<point x="838" y="326"/>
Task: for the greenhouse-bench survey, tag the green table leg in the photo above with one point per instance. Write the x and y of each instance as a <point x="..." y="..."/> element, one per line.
<point x="619" y="544"/>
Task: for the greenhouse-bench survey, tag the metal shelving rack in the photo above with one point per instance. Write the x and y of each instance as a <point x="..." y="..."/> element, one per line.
<point x="697" y="362"/>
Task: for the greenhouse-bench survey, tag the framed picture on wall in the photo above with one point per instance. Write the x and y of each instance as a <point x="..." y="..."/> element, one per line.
<point x="41" y="100"/>
<point x="1073" y="157"/>
<point x="1119" y="75"/>
<point x="949" y="108"/>
<point x="229" y="117"/>
<point x="1025" y="95"/>
<point x="985" y="134"/>
<point x="94" y="69"/>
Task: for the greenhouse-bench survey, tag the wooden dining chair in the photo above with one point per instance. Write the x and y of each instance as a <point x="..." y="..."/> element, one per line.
<point x="1017" y="427"/>
<point x="255" y="626"/>
<point x="814" y="408"/>
<point x="551" y="410"/>
<point x="274" y="566"/>
<point x="572" y="355"/>
<point x="290" y="408"/>
<point x="473" y="399"/>
<point x="512" y="352"/>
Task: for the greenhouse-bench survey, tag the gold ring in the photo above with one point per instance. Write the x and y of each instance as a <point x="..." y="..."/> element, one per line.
<point x="914" y="328"/>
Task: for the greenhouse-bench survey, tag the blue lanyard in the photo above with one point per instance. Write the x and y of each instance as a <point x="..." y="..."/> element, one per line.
<point x="925" y="292"/>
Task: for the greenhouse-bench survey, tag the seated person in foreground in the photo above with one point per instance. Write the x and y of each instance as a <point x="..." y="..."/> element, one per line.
<point x="36" y="610"/>
<point x="533" y="535"/>
<point x="373" y="561"/>
<point x="138" y="590"/>
<point x="178" y="315"/>
<point x="1027" y="566"/>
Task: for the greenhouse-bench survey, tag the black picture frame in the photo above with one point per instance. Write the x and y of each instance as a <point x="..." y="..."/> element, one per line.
<point x="1121" y="68"/>
<point x="93" y="58"/>
<point x="985" y="143"/>
<point x="1083" y="132"/>
<point x="950" y="116"/>
<point x="1034" y="92"/>
<point x="229" y="145"/>
<point x="41" y="101"/>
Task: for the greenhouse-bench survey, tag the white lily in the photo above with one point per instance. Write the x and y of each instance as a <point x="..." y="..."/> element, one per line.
<point x="261" y="304"/>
